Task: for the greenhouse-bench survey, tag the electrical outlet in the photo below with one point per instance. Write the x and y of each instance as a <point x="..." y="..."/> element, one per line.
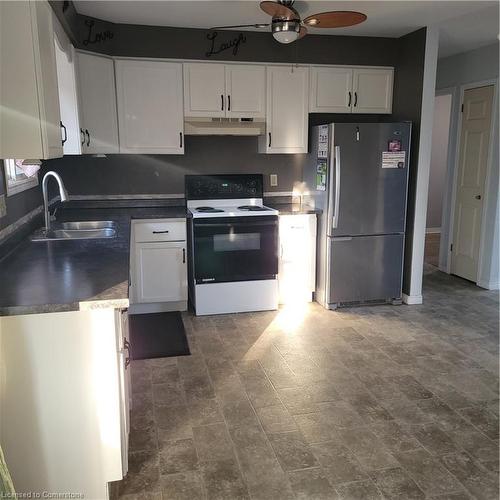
<point x="3" y="206"/>
<point x="273" y="178"/>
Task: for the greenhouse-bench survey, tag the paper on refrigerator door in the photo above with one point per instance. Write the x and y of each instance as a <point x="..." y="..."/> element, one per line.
<point x="323" y="141"/>
<point x="393" y="159"/>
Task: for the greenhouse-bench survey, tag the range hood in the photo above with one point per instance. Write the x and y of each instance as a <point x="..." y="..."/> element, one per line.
<point x="225" y="126"/>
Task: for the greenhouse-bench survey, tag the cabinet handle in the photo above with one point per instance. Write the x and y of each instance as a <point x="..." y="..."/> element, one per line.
<point x="229" y="103"/>
<point x="350" y="99"/>
<point x="65" y="132"/>
<point x="183" y="255"/>
<point x="355" y="99"/>
<point x="88" y="137"/>
<point x="180" y="139"/>
<point x="478" y="196"/>
<point x="222" y="102"/>
<point x="269" y="139"/>
<point x="126" y="345"/>
<point x="82" y="134"/>
<point x="160" y="232"/>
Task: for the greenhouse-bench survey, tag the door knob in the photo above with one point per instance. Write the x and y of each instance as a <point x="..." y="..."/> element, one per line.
<point x="478" y="196"/>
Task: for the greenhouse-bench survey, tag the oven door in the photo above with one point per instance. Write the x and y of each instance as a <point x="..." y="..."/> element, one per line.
<point x="235" y="249"/>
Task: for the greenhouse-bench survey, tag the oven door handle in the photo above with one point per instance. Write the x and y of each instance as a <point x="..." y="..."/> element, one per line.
<point x="239" y="224"/>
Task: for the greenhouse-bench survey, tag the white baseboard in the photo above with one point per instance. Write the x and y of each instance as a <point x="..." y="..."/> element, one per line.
<point x="489" y="285"/>
<point x="412" y="299"/>
<point x="433" y="230"/>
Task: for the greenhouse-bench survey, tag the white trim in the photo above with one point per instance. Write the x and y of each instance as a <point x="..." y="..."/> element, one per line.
<point x="444" y="245"/>
<point x="489" y="285"/>
<point x="412" y="300"/>
<point x="433" y="230"/>
<point x="424" y="161"/>
<point x="482" y="237"/>
<point x="17" y="186"/>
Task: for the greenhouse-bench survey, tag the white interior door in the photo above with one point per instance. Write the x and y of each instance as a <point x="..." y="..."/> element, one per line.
<point x="472" y="162"/>
<point x="331" y="90"/>
<point x="246" y="91"/>
<point x="150" y="109"/>
<point x="204" y="90"/>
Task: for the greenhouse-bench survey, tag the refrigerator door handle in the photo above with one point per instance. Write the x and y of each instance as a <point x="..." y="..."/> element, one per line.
<point x="335" y="220"/>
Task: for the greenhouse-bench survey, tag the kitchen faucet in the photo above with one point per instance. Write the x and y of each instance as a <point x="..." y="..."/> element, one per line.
<point x="62" y="193"/>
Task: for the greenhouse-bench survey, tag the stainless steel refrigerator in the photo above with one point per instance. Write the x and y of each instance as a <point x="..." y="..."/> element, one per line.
<point x="357" y="173"/>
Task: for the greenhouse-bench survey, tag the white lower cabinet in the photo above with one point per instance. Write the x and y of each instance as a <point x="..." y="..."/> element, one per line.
<point x="64" y="401"/>
<point x="297" y="262"/>
<point x="159" y="263"/>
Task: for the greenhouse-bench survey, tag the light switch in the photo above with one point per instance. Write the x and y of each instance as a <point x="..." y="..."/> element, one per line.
<point x="3" y="206"/>
<point x="273" y="180"/>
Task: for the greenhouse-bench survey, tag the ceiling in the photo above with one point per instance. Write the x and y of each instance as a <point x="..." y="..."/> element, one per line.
<point x="464" y="25"/>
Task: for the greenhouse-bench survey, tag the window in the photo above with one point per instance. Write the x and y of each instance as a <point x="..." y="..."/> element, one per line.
<point x="16" y="180"/>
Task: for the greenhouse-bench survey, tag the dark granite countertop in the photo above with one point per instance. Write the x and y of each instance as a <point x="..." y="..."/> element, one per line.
<point x="293" y="208"/>
<point x="54" y="276"/>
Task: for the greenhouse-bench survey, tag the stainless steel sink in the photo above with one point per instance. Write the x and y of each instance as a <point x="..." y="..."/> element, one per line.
<point x="87" y="224"/>
<point x="72" y="232"/>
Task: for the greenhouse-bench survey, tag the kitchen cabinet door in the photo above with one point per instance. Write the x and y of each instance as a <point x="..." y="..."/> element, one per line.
<point x="161" y="272"/>
<point x="331" y="90"/>
<point x="297" y="263"/>
<point x="68" y="100"/>
<point x="29" y="112"/>
<point x="150" y="109"/>
<point x="287" y="105"/>
<point x="204" y="90"/>
<point x="245" y="91"/>
<point x="372" y="89"/>
<point x="97" y="103"/>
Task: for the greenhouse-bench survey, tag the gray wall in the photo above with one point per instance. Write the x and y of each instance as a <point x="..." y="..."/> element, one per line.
<point x="439" y="156"/>
<point x="407" y="105"/>
<point x="471" y="67"/>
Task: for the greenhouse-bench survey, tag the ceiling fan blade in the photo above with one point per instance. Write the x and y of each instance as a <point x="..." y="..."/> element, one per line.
<point x="335" y="19"/>
<point x="256" y="25"/>
<point x="275" y="9"/>
<point x="302" y="32"/>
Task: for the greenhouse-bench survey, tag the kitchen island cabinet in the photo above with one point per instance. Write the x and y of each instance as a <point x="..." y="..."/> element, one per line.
<point x="64" y="400"/>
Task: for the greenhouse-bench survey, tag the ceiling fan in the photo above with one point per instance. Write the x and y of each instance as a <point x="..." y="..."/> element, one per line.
<point x="287" y="26"/>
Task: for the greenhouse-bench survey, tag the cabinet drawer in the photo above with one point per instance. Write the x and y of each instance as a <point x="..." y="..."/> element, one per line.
<point x="160" y="230"/>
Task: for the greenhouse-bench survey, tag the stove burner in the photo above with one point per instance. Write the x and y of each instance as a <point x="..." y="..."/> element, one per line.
<point x="208" y="209"/>
<point x="252" y="208"/>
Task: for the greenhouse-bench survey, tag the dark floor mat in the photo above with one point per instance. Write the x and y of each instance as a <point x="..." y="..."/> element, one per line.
<point x="157" y="335"/>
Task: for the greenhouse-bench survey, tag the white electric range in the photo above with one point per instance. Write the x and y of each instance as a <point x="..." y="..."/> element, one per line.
<point x="233" y="263"/>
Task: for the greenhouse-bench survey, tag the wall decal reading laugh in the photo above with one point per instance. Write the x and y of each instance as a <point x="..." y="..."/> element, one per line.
<point x="232" y="44"/>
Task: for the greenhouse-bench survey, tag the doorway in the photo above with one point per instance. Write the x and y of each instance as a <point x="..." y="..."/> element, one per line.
<point x="474" y="148"/>
<point x="437" y="177"/>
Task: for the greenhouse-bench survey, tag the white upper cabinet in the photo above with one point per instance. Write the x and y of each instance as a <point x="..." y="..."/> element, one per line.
<point x="351" y="90"/>
<point x="97" y="103"/>
<point x="204" y="90"/>
<point x="245" y="91"/>
<point x="29" y="111"/>
<point x="331" y="90"/>
<point x="287" y="103"/>
<point x="68" y="99"/>
<point x="224" y="90"/>
<point x="150" y="107"/>
<point x="372" y="90"/>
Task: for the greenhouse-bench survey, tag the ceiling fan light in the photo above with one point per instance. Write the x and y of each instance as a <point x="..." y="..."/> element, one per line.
<point x="285" y="31"/>
<point x="285" y="36"/>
